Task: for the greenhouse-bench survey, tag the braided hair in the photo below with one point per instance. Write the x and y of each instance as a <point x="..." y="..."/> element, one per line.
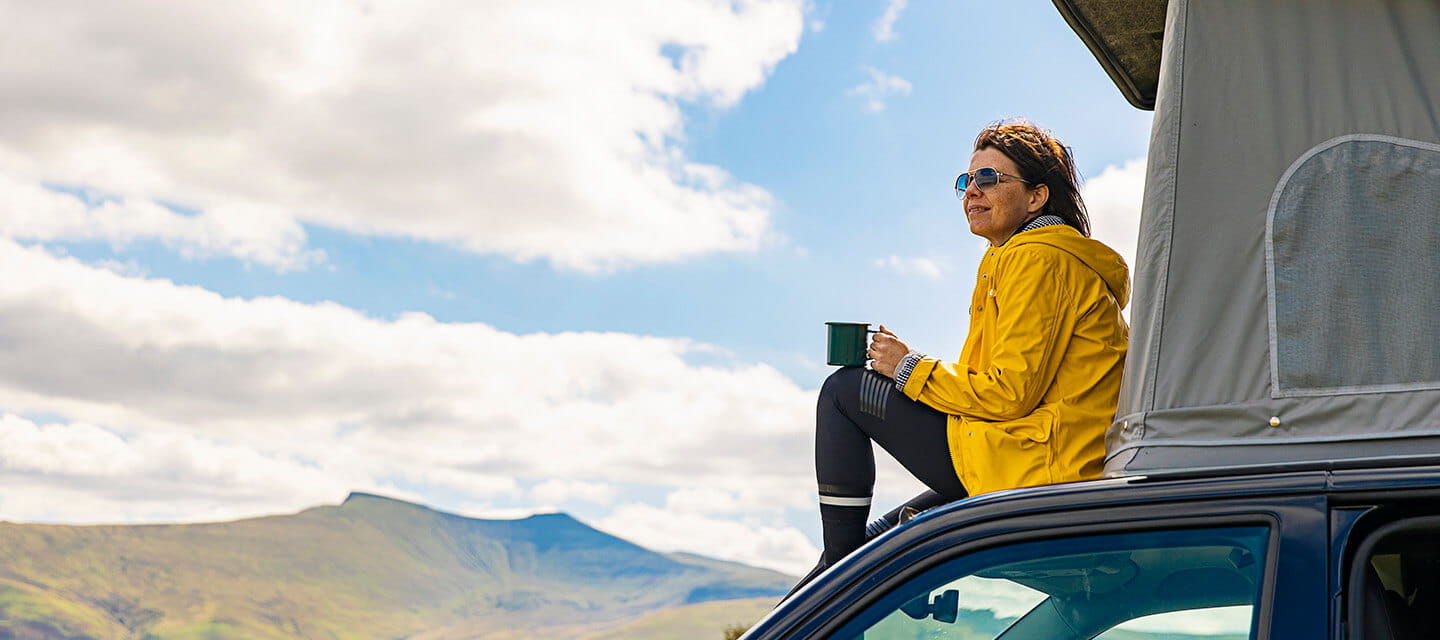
<point x="1042" y="160"/>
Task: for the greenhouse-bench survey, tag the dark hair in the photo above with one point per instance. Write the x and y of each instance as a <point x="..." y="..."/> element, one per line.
<point x="1042" y="160"/>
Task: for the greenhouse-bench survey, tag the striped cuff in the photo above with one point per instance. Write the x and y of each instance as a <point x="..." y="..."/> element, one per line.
<point x="907" y="365"/>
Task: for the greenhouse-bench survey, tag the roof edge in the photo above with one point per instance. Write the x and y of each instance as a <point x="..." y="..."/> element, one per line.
<point x="1105" y="57"/>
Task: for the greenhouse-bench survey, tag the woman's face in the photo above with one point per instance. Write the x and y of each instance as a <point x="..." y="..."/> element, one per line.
<point x="1000" y="209"/>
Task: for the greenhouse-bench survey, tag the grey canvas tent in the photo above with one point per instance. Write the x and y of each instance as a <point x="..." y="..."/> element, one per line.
<point x="1287" y="281"/>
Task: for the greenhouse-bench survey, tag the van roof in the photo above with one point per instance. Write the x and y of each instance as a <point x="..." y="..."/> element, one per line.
<point x="1126" y="37"/>
<point x="1334" y="477"/>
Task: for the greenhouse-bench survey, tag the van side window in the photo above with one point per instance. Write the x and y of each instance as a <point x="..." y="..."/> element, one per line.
<point x="1394" y="586"/>
<point x="1131" y="586"/>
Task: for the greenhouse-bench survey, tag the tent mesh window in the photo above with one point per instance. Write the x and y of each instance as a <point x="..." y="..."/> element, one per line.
<point x="1354" y="278"/>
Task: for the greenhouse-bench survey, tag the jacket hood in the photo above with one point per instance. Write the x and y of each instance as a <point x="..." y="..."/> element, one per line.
<point x="1100" y="258"/>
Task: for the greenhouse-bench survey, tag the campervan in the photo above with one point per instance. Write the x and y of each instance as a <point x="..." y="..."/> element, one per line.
<point x="1273" y="471"/>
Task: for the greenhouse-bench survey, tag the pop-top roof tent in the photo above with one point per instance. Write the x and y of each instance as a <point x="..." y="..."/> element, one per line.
<point x="1287" y="285"/>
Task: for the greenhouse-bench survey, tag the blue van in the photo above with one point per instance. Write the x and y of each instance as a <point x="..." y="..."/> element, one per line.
<point x="1273" y="471"/>
<point x="1308" y="551"/>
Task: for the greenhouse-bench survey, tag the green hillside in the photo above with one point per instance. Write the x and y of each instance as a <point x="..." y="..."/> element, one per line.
<point x="371" y="567"/>
<point x="706" y="621"/>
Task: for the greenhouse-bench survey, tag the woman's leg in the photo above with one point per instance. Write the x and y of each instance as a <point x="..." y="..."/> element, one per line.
<point x="856" y="407"/>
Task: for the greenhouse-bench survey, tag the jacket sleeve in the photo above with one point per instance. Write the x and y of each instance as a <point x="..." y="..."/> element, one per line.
<point x="1034" y="320"/>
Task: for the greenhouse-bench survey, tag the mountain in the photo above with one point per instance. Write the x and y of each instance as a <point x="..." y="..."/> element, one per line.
<point x="371" y="567"/>
<point x="704" y="621"/>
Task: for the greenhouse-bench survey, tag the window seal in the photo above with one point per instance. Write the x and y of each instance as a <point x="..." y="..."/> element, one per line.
<point x="1354" y="613"/>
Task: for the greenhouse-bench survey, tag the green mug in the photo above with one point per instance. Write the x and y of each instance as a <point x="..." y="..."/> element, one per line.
<point x="848" y="342"/>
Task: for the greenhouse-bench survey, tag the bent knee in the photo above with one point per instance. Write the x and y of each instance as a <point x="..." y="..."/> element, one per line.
<point x="843" y="378"/>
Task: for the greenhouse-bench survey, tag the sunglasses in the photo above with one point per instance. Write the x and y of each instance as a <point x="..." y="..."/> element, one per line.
<point x="981" y="178"/>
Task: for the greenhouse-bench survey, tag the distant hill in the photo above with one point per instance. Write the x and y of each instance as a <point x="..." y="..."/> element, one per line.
<point x="704" y="621"/>
<point x="371" y="567"/>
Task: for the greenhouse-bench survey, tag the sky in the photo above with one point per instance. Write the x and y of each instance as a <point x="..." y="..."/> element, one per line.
<point x="498" y="258"/>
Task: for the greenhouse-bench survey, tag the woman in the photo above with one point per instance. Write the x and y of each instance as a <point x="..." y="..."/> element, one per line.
<point x="1037" y="381"/>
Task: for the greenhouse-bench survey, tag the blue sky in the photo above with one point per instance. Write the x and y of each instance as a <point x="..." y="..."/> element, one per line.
<point x="496" y="258"/>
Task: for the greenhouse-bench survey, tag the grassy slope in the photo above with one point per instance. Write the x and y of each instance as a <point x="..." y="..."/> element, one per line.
<point x="267" y="578"/>
<point x="51" y="615"/>
<point x="705" y="621"/>
<point x="371" y="568"/>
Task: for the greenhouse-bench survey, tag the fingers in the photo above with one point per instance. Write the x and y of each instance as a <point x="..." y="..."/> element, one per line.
<point x="885" y="346"/>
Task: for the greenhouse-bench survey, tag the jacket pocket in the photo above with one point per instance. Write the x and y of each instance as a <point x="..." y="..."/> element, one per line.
<point x="1007" y="455"/>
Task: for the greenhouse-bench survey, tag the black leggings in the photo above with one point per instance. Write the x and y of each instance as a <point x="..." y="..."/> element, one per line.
<point x="858" y="406"/>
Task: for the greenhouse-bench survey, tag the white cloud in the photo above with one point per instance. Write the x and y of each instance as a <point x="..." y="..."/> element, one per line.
<point x="880" y="88"/>
<point x="1005" y="598"/>
<point x="174" y="402"/>
<point x="530" y="129"/>
<point x="1233" y="620"/>
<point x="253" y="233"/>
<point x="556" y="491"/>
<point x="884" y="29"/>
<point x="150" y="474"/>
<point x="1113" y="199"/>
<point x="703" y="500"/>
<point x="783" y="548"/>
<point x="743" y="498"/>
<point x="911" y="266"/>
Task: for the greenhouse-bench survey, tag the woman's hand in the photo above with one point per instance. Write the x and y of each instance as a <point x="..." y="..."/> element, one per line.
<point x="886" y="351"/>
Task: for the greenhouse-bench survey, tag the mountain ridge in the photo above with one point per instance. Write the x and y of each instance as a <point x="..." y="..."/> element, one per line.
<point x="371" y="566"/>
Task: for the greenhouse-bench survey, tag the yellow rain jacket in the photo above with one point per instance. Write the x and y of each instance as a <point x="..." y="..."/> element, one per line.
<point x="1039" y="375"/>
